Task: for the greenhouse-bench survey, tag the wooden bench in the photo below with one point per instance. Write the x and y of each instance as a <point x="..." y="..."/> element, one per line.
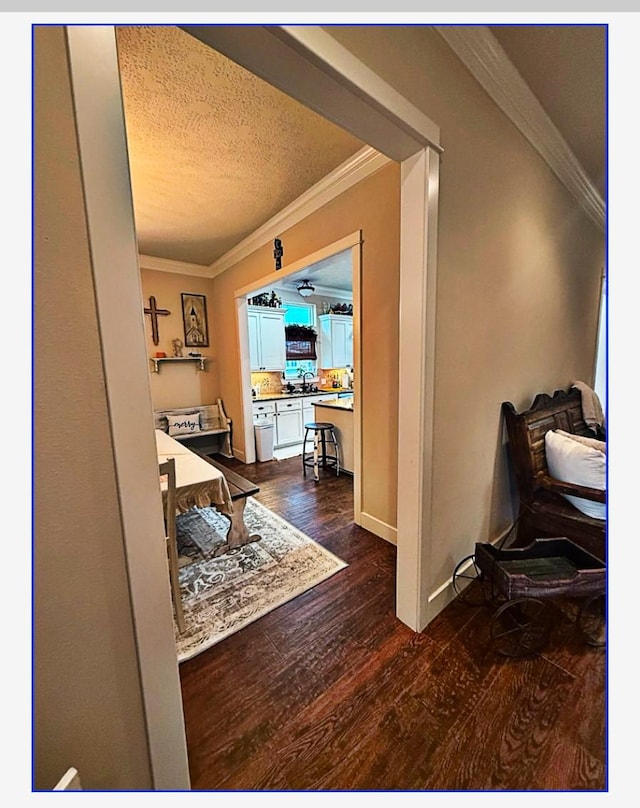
<point x="544" y="512"/>
<point x="215" y="434"/>
<point x="240" y="488"/>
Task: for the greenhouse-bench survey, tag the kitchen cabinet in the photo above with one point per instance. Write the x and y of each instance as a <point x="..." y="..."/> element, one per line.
<point x="288" y="422"/>
<point x="308" y="412"/>
<point x="336" y="340"/>
<point x="264" y="412"/>
<point x="267" y="347"/>
<point x="288" y="416"/>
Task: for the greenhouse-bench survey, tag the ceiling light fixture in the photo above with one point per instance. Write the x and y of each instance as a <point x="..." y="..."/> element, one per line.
<point x="306" y="289"/>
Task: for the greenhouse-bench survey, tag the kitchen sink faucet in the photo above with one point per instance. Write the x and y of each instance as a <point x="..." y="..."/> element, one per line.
<point x="303" y="376"/>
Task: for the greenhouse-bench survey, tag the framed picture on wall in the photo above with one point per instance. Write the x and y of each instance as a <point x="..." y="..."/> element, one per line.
<point x="194" y="317"/>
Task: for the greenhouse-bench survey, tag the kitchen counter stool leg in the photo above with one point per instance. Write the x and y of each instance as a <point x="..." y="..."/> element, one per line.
<point x="304" y="446"/>
<point x="316" y="476"/>
<point x="336" y="449"/>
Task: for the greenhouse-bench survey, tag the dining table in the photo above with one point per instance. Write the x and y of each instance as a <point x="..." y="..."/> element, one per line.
<point x="198" y="483"/>
<point x="201" y="483"/>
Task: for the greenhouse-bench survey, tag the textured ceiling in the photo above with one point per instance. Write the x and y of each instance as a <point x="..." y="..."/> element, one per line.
<point x="332" y="274"/>
<point x="214" y="151"/>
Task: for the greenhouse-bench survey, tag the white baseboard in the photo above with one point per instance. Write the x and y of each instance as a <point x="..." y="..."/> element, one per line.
<point x="445" y="593"/>
<point x="378" y="527"/>
<point x="440" y="598"/>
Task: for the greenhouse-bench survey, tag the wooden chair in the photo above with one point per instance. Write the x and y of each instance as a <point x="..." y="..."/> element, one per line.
<point x="168" y="468"/>
<point x="544" y="512"/>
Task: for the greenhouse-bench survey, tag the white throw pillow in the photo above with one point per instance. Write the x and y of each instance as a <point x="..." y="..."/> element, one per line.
<point x="184" y="424"/>
<point x="600" y="445"/>
<point x="571" y="461"/>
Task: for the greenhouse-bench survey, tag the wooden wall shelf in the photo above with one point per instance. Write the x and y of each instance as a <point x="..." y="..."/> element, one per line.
<point x="156" y="360"/>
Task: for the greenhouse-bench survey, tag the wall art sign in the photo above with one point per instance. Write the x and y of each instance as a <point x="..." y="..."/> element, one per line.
<point x="194" y="316"/>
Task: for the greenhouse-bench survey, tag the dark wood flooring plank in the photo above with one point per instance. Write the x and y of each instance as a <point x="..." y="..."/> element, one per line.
<point x="507" y="734"/>
<point x="251" y="725"/>
<point x="305" y="749"/>
<point x="332" y="692"/>
<point x="565" y="765"/>
<point x="441" y="690"/>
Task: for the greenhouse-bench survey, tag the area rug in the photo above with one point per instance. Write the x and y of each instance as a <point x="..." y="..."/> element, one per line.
<point x="224" y="594"/>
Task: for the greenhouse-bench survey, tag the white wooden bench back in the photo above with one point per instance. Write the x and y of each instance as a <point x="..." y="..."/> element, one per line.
<point x="213" y="421"/>
<point x="212" y="417"/>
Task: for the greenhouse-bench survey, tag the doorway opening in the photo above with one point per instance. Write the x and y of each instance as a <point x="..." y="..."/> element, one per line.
<point x="341" y="259"/>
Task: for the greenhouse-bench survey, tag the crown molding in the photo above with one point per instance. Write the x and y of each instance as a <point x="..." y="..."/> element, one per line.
<point x="357" y="168"/>
<point x="482" y="54"/>
<point x="179" y="267"/>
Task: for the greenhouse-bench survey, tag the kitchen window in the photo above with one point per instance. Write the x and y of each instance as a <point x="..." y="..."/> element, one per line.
<point x="300" y="314"/>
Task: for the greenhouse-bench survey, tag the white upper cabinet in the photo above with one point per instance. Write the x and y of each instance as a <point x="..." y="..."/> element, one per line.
<point x="336" y="340"/>
<point x="267" y="348"/>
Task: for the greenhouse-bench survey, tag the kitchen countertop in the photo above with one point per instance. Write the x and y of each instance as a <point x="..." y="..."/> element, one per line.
<point x="278" y="396"/>
<point x="336" y="404"/>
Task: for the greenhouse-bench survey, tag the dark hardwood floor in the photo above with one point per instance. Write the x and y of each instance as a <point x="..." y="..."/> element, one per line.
<point x="331" y="692"/>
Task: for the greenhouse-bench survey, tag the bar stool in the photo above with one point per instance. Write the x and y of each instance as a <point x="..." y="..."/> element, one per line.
<point x="323" y="433"/>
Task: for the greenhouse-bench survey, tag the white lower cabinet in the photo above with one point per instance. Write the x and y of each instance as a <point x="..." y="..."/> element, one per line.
<point x="263" y="412"/>
<point x="308" y="410"/>
<point x="289" y="415"/>
<point x="288" y="422"/>
<point x="307" y="415"/>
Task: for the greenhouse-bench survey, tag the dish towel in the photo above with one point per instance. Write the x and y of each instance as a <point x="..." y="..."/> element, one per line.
<point x="591" y="407"/>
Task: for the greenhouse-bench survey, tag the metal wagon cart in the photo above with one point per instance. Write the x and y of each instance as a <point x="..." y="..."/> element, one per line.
<point x="519" y="584"/>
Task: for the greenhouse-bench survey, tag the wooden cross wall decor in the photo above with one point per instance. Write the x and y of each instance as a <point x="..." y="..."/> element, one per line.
<point x="154" y="311"/>
<point x="278" y="252"/>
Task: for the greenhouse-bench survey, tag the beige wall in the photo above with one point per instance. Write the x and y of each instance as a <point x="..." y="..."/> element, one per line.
<point x="372" y="206"/>
<point x="519" y="270"/>
<point x="88" y="708"/>
<point x="178" y="384"/>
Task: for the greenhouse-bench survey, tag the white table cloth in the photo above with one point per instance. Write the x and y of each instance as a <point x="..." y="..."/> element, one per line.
<point x="198" y="483"/>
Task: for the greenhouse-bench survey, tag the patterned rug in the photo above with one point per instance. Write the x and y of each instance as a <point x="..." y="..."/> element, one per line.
<point x="224" y="594"/>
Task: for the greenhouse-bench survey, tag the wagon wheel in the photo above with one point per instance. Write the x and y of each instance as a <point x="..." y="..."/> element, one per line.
<point x="592" y="620"/>
<point x="521" y="627"/>
<point x="469" y="582"/>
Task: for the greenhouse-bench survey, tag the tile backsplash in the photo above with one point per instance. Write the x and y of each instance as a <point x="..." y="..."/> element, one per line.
<point x="269" y="382"/>
<point x="273" y="382"/>
<point x="332" y="374"/>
